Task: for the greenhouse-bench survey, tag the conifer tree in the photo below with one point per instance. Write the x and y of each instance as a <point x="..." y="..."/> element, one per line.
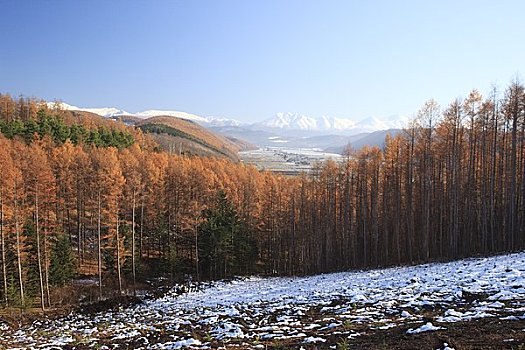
<point x="225" y="244"/>
<point x="63" y="267"/>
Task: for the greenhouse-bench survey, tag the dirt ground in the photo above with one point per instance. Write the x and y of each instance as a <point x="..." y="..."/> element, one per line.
<point x="486" y="333"/>
<point x="489" y="333"/>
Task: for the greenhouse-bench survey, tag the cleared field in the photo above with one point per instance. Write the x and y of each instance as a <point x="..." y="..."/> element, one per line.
<point x="422" y="306"/>
<point x="289" y="161"/>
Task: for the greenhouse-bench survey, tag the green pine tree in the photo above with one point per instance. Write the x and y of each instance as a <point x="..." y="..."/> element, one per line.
<point x="226" y="245"/>
<point x="63" y="268"/>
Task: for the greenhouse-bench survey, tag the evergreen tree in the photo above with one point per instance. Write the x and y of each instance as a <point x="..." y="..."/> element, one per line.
<point x="225" y="243"/>
<point x="63" y="266"/>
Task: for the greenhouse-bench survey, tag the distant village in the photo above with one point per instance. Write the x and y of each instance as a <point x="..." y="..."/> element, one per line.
<point x="287" y="161"/>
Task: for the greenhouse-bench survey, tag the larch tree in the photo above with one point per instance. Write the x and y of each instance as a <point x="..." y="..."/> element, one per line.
<point x="40" y="184"/>
<point x="109" y="182"/>
<point x="7" y="186"/>
<point x="132" y="193"/>
<point x="18" y="150"/>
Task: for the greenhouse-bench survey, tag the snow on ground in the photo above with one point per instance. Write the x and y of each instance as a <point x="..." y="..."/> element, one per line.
<point x="307" y="309"/>
<point x="427" y="327"/>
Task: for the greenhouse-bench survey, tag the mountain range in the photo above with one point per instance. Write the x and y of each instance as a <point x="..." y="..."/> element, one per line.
<point x="325" y="124"/>
<point x="112" y="112"/>
<point x="283" y="129"/>
<point x="280" y="121"/>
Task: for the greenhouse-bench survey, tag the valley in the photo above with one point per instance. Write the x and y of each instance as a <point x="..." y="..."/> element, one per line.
<point x="289" y="130"/>
<point x="264" y="175"/>
<point x="288" y="161"/>
<point x="286" y="144"/>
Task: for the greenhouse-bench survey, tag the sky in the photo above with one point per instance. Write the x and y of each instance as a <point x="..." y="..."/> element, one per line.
<point x="250" y="59"/>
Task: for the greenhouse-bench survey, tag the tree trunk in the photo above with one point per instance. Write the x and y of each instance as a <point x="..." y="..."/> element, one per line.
<point x="39" y="258"/>
<point x="196" y="250"/>
<point x="141" y="227"/>
<point x="2" y="242"/>
<point x="99" y="248"/>
<point x="46" y="266"/>
<point x="19" y="251"/>
<point x="118" y="255"/>
<point x="133" y="244"/>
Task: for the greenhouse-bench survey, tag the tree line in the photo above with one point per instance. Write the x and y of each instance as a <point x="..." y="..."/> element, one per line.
<point x="450" y="185"/>
<point x="55" y="127"/>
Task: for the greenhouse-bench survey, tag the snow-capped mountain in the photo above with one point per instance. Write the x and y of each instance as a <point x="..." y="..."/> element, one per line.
<point x="291" y="121"/>
<point x="108" y="112"/>
<point x="205" y="121"/>
<point x="281" y="122"/>
<point x="115" y="112"/>
<point x="397" y="121"/>
<point x="183" y="115"/>
<point x="337" y="123"/>
<point x="299" y="122"/>
<point x="296" y="121"/>
<point x="218" y="121"/>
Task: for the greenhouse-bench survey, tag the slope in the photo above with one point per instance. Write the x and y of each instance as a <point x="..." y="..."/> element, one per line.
<point x="417" y="306"/>
<point x="172" y="133"/>
<point x="187" y="137"/>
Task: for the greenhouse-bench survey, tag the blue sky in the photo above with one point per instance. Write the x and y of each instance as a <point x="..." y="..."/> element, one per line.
<point x="249" y="59"/>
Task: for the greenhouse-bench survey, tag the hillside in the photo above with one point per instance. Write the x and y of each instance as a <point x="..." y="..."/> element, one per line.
<point x="291" y="129"/>
<point x="463" y="304"/>
<point x="187" y="137"/>
<point x="171" y="133"/>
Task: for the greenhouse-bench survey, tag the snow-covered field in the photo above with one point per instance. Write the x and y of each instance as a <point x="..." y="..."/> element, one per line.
<point x="287" y="160"/>
<point x="307" y="309"/>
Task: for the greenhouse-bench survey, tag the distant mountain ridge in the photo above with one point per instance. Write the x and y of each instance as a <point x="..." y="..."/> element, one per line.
<point x="296" y="121"/>
<point x="112" y="112"/>
<point x="280" y="121"/>
<point x="330" y="125"/>
<point x="108" y="112"/>
<point x="281" y="130"/>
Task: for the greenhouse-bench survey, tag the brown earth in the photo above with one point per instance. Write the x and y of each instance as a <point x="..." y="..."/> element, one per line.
<point x="490" y="333"/>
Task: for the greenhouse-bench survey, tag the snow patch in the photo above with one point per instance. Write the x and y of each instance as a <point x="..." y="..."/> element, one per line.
<point x="314" y="340"/>
<point x="428" y="327"/>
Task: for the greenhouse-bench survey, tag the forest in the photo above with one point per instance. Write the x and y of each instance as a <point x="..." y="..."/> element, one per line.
<point x="86" y="197"/>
